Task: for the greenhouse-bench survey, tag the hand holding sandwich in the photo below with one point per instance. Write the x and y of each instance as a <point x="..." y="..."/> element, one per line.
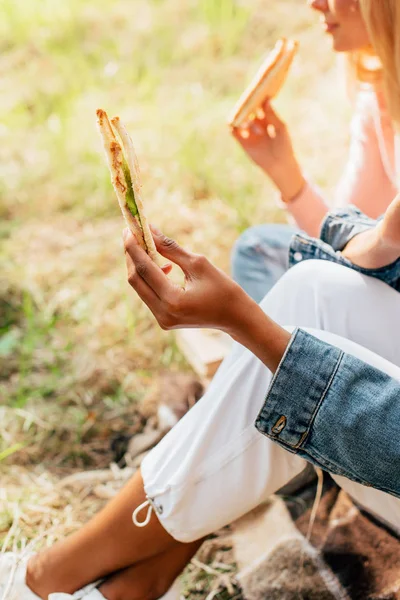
<point x="209" y="298"/>
<point x="258" y="128"/>
<point x="267" y="142"/>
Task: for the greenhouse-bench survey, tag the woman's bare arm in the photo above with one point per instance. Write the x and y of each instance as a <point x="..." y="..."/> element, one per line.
<point x="380" y="246"/>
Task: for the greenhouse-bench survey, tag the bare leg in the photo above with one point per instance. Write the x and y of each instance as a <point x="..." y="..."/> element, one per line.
<point x="106" y="544"/>
<point x="149" y="579"/>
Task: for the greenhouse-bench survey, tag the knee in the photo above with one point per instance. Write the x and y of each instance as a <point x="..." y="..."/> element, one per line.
<point x="253" y="240"/>
<point x="320" y="283"/>
<point x="243" y="251"/>
<point x="321" y="276"/>
<point x="259" y="243"/>
<point x="309" y="293"/>
<point x="306" y="273"/>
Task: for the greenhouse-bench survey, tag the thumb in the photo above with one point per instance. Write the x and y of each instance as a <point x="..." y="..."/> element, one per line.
<point x="171" y="250"/>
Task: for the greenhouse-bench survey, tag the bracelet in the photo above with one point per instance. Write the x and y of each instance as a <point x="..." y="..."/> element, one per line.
<point x="296" y="196"/>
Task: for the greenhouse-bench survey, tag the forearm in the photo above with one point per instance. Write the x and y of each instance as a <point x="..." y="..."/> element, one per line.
<point x="260" y="334"/>
<point x="308" y="209"/>
<point x="289" y="181"/>
<point x="369" y="250"/>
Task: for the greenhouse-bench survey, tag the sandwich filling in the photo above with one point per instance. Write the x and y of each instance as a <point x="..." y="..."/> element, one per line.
<point x="129" y="194"/>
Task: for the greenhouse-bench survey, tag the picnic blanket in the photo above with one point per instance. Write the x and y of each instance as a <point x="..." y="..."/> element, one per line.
<point x="349" y="555"/>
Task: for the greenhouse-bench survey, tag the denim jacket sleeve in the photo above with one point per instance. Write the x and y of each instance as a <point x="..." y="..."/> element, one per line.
<point x="343" y="417"/>
<point x="338" y="228"/>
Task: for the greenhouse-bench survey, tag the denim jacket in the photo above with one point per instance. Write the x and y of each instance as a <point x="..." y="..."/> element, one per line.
<point x="338" y="228"/>
<point x="344" y="416"/>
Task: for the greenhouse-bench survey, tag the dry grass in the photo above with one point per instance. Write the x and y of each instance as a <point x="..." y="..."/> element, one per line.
<point x="78" y="351"/>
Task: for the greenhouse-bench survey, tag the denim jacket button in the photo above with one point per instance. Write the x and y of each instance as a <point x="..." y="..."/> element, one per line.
<point x="279" y="425"/>
<point x="298" y="256"/>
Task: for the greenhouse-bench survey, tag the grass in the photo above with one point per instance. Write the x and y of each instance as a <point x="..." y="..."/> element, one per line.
<point x="78" y="351"/>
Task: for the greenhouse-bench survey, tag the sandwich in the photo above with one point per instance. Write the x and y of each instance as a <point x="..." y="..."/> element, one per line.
<point x="267" y="82"/>
<point x="125" y="176"/>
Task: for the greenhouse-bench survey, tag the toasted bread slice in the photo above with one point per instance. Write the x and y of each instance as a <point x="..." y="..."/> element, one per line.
<point x="267" y="82"/>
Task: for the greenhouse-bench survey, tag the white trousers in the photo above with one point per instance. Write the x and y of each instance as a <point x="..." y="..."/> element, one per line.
<point x="214" y="466"/>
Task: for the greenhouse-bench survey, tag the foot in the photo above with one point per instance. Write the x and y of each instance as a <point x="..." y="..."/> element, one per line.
<point x="44" y="575"/>
<point x="20" y="578"/>
<point x="13" y="577"/>
<point x="108" y="543"/>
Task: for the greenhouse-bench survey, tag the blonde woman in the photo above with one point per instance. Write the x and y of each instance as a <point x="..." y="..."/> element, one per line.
<point x="314" y="380"/>
<point x="260" y="256"/>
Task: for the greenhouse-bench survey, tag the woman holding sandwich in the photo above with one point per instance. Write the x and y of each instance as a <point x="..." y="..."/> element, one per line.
<point x="260" y="256"/>
<point x="305" y="382"/>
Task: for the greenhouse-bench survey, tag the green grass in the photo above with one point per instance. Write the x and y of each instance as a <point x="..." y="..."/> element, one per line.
<point x="78" y="350"/>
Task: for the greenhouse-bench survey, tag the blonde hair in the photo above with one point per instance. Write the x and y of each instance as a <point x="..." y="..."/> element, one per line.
<point x="365" y="67"/>
<point x="381" y="66"/>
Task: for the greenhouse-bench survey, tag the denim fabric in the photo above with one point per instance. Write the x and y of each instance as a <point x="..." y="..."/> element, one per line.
<point x="341" y="225"/>
<point x="341" y="416"/>
<point x="338" y="228"/>
<point x="260" y="257"/>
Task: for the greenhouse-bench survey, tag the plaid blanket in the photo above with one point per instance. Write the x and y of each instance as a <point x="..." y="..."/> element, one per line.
<point x="349" y="555"/>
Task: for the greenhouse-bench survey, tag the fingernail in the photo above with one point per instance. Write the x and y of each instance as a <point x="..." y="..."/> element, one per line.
<point x="125" y="234"/>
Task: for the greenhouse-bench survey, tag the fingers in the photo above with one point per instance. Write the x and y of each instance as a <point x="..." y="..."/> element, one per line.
<point x="259" y="127"/>
<point x="172" y="250"/>
<point x="161" y="296"/>
<point x="246" y="135"/>
<point x="240" y="134"/>
<point x="265" y="115"/>
<point x="272" y="118"/>
<point x="142" y="289"/>
<point x="145" y="268"/>
<point x="261" y="117"/>
<point x="265" y="105"/>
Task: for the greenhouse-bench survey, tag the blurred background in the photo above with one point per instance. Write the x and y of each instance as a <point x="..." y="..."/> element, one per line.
<point x="79" y="353"/>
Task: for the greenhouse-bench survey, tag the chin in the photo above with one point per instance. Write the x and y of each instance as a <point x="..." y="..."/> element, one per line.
<point x="341" y="45"/>
<point x="337" y="47"/>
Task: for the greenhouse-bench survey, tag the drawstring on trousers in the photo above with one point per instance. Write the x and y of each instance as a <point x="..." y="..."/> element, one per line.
<point x="138" y="510"/>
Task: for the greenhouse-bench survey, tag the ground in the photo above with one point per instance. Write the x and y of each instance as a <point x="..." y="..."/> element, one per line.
<point x="79" y="352"/>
